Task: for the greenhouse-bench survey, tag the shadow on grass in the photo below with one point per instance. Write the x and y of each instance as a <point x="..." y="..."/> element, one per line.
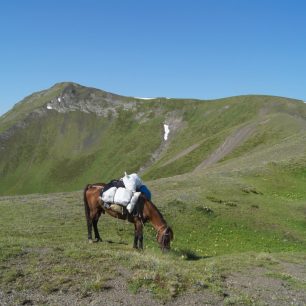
<point x="188" y="255"/>
<point x="116" y="242"/>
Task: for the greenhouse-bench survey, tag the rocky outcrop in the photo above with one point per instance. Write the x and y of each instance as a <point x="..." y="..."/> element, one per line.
<point x="72" y="97"/>
<point x="89" y="100"/>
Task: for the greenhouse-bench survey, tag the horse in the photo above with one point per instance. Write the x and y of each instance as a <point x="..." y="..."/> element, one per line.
<point x="148" y="212"/>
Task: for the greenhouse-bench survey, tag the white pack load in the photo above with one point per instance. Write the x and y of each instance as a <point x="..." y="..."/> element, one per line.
<point x="108" y="195"/>
<point x="132" y="181"/>
<point x="123" y="196"/>
<point x="134" y="199"/>
<point x="137" y="179"/>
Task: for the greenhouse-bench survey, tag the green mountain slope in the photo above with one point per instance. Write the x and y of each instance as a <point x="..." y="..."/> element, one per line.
<point x="64" y="137"/>
<point x="229" y="180"/>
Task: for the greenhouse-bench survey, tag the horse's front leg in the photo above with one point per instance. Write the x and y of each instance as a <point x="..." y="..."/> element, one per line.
<point x="140" y="239"/>
<point x="138" y="236"/>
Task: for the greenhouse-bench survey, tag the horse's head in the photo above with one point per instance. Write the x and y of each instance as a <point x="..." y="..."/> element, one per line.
<point x="164" y="238"/>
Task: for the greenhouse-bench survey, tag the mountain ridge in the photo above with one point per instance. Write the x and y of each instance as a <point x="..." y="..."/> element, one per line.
<point x="58" y="138"/>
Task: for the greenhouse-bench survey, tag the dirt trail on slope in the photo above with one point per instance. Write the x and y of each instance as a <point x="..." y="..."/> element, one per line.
<point x="230" y="143"/>
<point x="181" y="154"/>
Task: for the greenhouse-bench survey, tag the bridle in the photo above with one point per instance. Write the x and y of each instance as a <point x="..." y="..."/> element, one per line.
<point x="163" y="234"/>
<point x="159" y="228"/>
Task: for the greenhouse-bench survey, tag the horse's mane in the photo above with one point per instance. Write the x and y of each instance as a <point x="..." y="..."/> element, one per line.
<point x="156" y="209"/>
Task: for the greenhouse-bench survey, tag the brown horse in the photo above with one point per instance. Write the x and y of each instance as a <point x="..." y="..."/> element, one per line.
<point x="94" y="208"/>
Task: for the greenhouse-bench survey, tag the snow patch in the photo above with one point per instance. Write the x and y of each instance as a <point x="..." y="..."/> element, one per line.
<point x="144" y="98"/>
<point x="49" y="107"/>
<point x="167" y="131"/>
<point x="154" y="98"/>
<point x="59" y="99"/>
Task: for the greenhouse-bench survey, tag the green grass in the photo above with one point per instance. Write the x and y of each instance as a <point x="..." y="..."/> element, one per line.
<point x="56" y="162"/>
<point x="244" y="212"/>
<point x="219" y="229"/>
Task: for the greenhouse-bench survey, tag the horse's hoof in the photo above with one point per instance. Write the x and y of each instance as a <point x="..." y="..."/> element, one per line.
<point x="97" y="240"/>
<point x="90" y="241"/>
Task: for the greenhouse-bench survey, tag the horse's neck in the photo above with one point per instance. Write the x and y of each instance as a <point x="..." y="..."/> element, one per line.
<point x="155" y="217"/>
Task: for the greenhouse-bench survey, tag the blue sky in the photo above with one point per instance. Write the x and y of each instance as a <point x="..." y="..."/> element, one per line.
<point x="173" y="48"/>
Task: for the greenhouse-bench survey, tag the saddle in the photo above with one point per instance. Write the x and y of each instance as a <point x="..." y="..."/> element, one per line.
<point x="137" y="211"/>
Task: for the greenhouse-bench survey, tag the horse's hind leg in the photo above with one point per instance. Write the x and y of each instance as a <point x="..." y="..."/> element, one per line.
<point x="95" y="226"/>
<point x="89" y="229"/>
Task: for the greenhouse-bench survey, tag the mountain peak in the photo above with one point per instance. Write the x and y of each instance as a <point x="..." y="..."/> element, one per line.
<point x="62" y="85"/>
<point x="70" y="96"/>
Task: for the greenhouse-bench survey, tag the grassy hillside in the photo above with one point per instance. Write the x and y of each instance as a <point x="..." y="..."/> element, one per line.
<point x="69" y="153"/>
<point x="90" y="135"/>
<point x="230" y="181"/>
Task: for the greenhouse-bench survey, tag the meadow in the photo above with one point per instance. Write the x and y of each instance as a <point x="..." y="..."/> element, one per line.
<point x="238" y="240"/>
<point x="230" y="181"/>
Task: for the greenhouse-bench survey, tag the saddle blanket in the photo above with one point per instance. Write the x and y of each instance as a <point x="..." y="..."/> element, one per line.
<point x="121" y="196"/>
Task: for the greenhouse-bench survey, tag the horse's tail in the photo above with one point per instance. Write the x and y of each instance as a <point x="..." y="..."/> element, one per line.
<point x="87" y="209"/>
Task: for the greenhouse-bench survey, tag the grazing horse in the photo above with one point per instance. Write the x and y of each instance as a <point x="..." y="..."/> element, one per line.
<point x="148" y="212"/>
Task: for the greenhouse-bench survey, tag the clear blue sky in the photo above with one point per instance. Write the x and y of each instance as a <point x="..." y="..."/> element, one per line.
<point x="173" y="48"/>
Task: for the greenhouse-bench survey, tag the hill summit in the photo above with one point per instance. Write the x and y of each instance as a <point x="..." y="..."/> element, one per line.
<point x="61" y="138"/>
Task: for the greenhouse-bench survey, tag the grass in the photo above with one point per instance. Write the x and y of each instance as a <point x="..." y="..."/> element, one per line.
<point x="243" y="213"/>
<point x="289" y="279"/>
<point x="58" y="163"/>
<point x="43" y="241"/>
